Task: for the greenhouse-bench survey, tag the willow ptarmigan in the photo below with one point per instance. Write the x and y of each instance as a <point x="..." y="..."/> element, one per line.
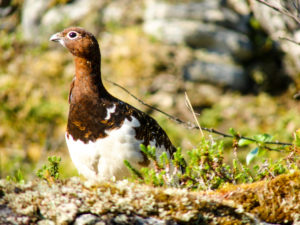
<point x="102" y="130"/>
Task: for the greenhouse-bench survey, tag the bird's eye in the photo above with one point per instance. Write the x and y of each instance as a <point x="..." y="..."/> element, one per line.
<point x="72" y="34"/>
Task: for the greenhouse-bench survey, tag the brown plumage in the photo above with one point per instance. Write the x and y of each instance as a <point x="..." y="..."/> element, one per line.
<point x="98" y="123"/>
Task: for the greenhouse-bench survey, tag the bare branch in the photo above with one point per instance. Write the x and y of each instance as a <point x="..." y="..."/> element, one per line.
<point x="280" y="10"/>
<point x="290" y="40"/>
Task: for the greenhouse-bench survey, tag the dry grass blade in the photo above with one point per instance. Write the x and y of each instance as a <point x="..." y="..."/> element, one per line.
<point x="193" y="112"/>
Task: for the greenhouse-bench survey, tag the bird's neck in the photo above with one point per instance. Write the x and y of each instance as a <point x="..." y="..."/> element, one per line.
<point x="88" y="78"/>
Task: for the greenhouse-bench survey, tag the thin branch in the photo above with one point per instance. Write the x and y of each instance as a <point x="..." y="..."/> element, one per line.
<point x="290" y="40"/>
<point x="280" y="10"/>
<point x="190" y="125"/>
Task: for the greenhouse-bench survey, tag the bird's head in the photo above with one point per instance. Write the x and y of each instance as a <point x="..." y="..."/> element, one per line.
<point x="78" y="41"/>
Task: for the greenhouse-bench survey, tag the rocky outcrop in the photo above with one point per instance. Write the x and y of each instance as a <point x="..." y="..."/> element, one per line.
<point x="75" y="202"/>
<point x="207" y="26"/>
<point x="218" y="30"/>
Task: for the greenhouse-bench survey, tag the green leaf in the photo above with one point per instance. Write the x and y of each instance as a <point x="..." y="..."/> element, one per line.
<point x="133" y="170"/>
<point x="297" y="138"/>
<point x="233" y="132"/>
<point x="263" y="138"/>
<point x="251" y="155"/>
<point x="163" y="158"/>
<point x="244" y="142"/>
<point x="150" y="151"/>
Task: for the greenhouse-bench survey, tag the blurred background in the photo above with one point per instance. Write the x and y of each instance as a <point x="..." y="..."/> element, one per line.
<point x="230" y="56"/>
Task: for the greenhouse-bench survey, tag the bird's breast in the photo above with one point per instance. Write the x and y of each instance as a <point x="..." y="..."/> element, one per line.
<point x="104" y="158"/>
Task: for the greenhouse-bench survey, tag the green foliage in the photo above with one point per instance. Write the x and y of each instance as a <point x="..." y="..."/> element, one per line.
<point x="18" y="177"/>
<point x="50" y="172"/>
<point x="149" y="151"/>
<point x="297" y="138"/>
<point x="134" y="171"/>
<point x="206" y="169"/>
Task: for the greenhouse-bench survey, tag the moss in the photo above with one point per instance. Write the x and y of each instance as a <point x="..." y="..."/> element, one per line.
<point x="274" y="201"/>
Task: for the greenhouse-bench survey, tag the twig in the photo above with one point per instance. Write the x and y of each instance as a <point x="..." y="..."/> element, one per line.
<point x="280" y="10"/>
<point x="193" y="126"/>
<point x="290" y="40"/>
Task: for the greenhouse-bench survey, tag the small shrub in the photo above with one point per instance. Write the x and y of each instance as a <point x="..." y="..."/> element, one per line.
<point x="50" y="172"/>
<point x="17" y="178"/>
<point x="206" y="169"/>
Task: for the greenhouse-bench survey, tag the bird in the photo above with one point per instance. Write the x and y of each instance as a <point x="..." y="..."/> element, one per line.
<point x="102" y="130"/>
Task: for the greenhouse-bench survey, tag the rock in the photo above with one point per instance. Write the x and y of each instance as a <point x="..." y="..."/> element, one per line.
<point x="7" y="216"/>
<point x="46" y="222"/>
<point x="39" y="20"/>
<point x="113" y="203"/>
<point x="86" y="219"/>
<point x="221" y="40"/>
<point x="31" y="16"/>
<point x="221" y="74"/>
<point x="219" y="29"/>
<point x="117" y="12"/>
<point x="66" y="213"/>
<point x="200" y="35"/>
<point x="216" y="69"/>
<point x="5" y="8"/>
<point x="279" y="26"/>
<point x="166" y="83"/>
<point x="222" y="28"/>
<point x="190" y="10"/>
<point x="239" y="6"/>
<point x="211" y="12"/>
<point x="89" y="219"/>
<point x="75" y="11"/>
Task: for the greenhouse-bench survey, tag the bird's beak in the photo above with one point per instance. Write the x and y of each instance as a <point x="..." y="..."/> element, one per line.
<point x="57" y="38"/>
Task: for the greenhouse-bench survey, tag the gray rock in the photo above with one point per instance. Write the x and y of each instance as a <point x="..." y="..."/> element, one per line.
<point x="86" y="219"/>
<point x="113" y="13"/>
<point x="89" y="219"/>
<point x="239" y="6"/>
<point x="277" y="26"/>
<point x="229" y="75"/>
<point x="5" y="8"/>
<point x="7" y="216"/>
<point x="72" y="12"/>
<point x="32" y="14"/>
<point x="45" y="222"/>
<point x="117" y="12"/>
<point x="66" y="213"/>
<point x="200" y="35"/>
<point x="164" y="10"/>
<point x="39" y="21"/>
<point x="205" y="11"/>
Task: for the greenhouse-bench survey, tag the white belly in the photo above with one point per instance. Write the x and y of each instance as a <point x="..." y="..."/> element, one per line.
<point x="104" y="158"/>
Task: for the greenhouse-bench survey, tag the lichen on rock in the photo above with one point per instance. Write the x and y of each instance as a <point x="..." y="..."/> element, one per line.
<point x="122" y="202"/>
